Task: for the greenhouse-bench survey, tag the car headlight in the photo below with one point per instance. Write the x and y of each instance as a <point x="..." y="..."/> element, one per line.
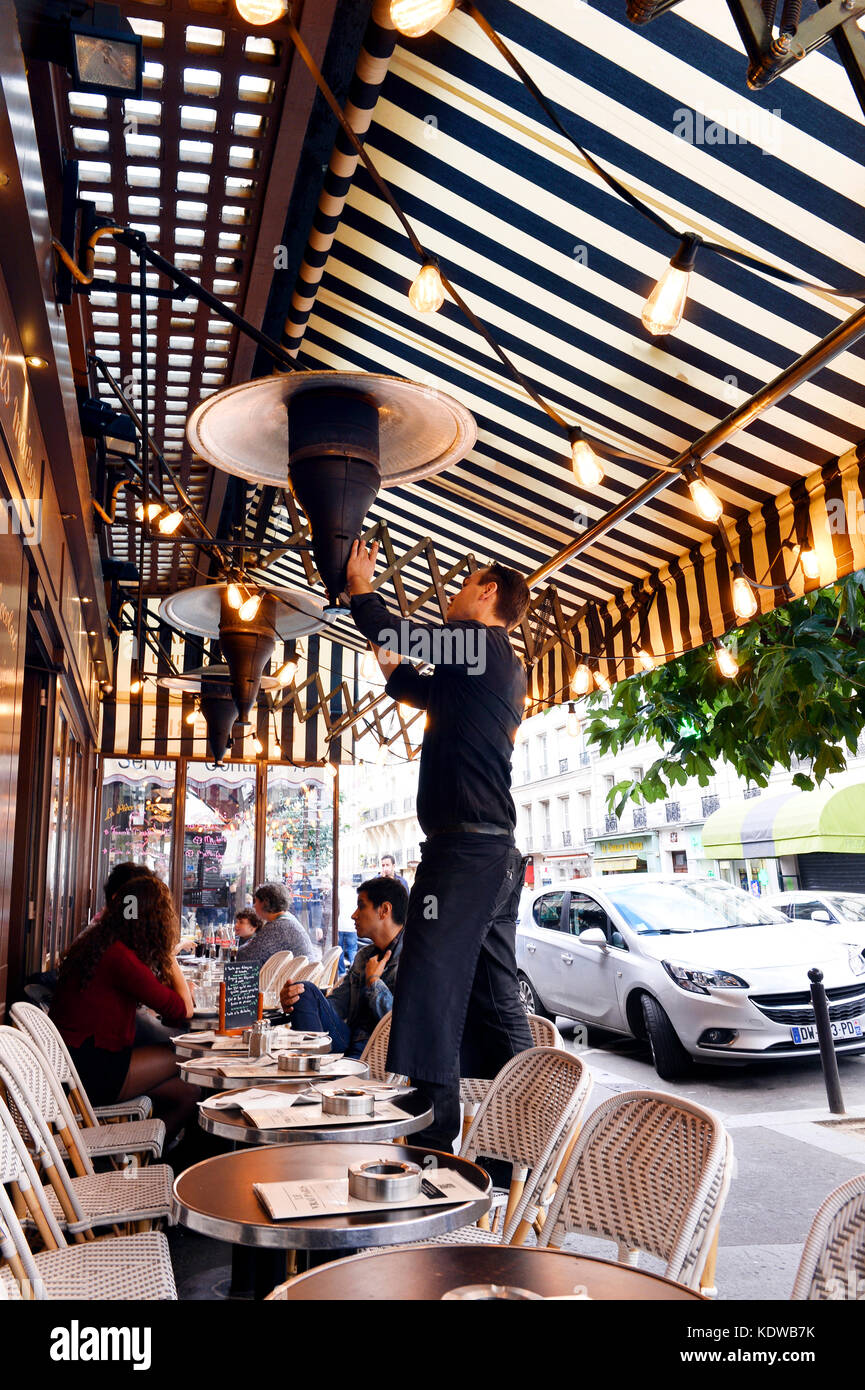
<point x="857" y="958"/>
<point x="701" y="981"/>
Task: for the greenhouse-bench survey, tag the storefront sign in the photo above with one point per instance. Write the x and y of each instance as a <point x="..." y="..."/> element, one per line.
<point x="610" y="847"/>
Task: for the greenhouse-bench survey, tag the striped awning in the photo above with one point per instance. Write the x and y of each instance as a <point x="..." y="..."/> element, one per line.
<point x="826" y="821"/>
<point x="559" y="268"/>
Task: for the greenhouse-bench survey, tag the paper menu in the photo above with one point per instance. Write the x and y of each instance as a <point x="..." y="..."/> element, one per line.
<point x="285" y="1201"/>
<point x="265" y="1115"/>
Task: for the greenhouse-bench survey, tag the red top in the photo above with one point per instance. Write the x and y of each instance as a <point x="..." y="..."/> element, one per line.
<point x="105" y="1008"/>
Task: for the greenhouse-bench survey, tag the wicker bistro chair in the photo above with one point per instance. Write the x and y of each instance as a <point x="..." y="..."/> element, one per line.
<point x="330" y="967"/>
<point x="832" y="1267"/>
<point x="129" y="1267"/>
<point x="650" y="1172"/>
<point x="375" y="1053"/>
<point x="474" y="1088"/>
<point x="88" y="1199"/>
<point x="142" y="1136"/>
<point x="311" y="973"/>
<point x="268" y="973"/>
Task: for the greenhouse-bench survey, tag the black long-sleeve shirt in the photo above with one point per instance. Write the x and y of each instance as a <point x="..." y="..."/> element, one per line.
<point x="475" y="699"/>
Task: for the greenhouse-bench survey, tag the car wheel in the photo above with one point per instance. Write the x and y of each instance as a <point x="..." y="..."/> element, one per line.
<point x="671" y="1060"/>
<point x="530" y="999"/>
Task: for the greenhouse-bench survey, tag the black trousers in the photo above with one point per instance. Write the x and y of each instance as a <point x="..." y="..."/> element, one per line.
<point x="457" y="1010"/>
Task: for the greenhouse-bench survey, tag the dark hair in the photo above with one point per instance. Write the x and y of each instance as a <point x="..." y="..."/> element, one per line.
<point x="387" y="855"/>
<point x="512" y="593"/>
<point x="272" y="896"/>
<point x="121" y="874"/>
<point x="152" y="931"/>
<point x="387" y="890"/>
<point x="246" y="914"/>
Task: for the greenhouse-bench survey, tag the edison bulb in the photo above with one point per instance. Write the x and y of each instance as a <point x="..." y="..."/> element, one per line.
<point x="151" y="511"/>
<point x="233" y="596"/>
<point x="707" y="504"/>
<point x="249" y="608"/>
<point x="427" y="293"/>
<point x="261" y="11"/>
<point x="582" y="682"/>
<point x="169" y="523"/>
<point x="663" y="310"/>
<point x="286" y="674"/>
<point x="368" y="666"/>
<point x="414" y="18"/>
<point x="257" y="747"/>
<point x="810" y="564"/>
<point x="645" y="658"/>
<point x="744" y="600"/>
<point x="572" y="723"/>
<point x="727" y="663"/>
<point x="601" y="681"/>
<point x="192" y="715"/>
<point x="588" y="469"/>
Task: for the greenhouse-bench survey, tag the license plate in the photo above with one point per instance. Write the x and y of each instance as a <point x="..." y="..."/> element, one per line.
<point x="842" y="1030"/>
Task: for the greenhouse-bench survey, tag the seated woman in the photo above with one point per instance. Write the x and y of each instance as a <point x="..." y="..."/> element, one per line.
<point x="246" y="924"/>
<point x="126" y="958"/>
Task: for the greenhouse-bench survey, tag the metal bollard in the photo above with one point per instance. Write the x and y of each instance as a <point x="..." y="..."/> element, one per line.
<point x="827" y="1046"/>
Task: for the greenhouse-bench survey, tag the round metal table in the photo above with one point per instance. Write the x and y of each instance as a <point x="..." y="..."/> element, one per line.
<point x="215" y="1197"/>
<point x="428" y="1271"/>
<point x="186" y="1050"/>
<point x="209" y="1081"/>
<point x="230" y="1124"/>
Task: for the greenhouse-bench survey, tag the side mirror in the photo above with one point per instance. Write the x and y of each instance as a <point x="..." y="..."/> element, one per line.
<point x="821" y="916"/>
<point x="593" y="936"/>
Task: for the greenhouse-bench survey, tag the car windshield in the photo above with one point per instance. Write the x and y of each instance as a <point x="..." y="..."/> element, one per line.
<point x="852" y="909"/>
<point x="689" y="906"/>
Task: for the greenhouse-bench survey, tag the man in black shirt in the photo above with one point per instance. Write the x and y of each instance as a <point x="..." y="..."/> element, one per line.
<point x="457" y="1009"/>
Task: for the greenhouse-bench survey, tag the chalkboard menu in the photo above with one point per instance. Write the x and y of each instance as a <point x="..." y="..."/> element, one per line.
<point x="241" y="995"/>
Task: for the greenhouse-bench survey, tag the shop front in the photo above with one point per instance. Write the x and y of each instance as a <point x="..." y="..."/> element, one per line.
<point x="791" y="840"/>
<point x="615" y="854"/>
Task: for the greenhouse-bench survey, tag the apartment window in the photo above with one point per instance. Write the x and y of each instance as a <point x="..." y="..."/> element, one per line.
<point x="527" y="760"/>
<point x="542" y="755"/>
<point x="565" y="819"/>
<point x="527" y="823"/>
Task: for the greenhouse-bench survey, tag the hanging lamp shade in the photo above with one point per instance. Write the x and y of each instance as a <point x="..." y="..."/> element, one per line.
<point x="212" y="684"/>
<point x="334" y="438"/>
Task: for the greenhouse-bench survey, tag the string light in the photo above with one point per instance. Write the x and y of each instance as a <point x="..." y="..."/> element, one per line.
<point x="704" y="499"/>
<point x="137" y="686"/>
<point x="588" y="469"/>
<point x="193" y="714"/>
<point x="602" y="681"/>
<point x="233" y="596"/>
<point x="286" y="674"/>
<point x="582" y="682"/>
<point x="329" y="771"/>
<point x="368" y="665"/>
<point x="663" y="310"/>
<point x="381" y="755"/>
<point x="261" y="11"/>
<point x="727" y="663"/>
<point x="170" y="522"/>
<point x="427" y="293"/>
<point x="573" y="721"/>
<point x="810" y="564"/>
<point x="249" y="608"/>
<point x="257" y="746"/>
<point x="646" y="660"/>
<point x="414" y="18"/>
<point x="277" y="751"/>
<point x="744" y="599"/>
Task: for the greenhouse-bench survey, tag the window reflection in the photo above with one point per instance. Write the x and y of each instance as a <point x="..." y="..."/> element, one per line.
<point x="218" y="846"/>
<point x="137" y="815"/>
<point x="299" y="844"/>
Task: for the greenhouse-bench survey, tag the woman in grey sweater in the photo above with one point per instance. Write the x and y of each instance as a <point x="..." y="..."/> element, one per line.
<point x="280" y="932"/>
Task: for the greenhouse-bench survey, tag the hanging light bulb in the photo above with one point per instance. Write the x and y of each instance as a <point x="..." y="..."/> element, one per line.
<point x="582" y="682"/>
<point x="645" y="658"/>
<point x="193" y="714"/>
<point x="233" y="596"/>
<point x="368" y="666"/>
<point x="277" y="751"/>
<point x="601" y="681"/>
<point x="745" y="604"/>
<point x="151" y="511"/>
<point x="663" y="310"/>
<point x="329" y="771"/>
<point x="170" y="522"/>
<point x="427" y="293"/>
<point x="286" y="674"/>
<point x="381" y="755"/>
<point x="414" y="18"/>
<point x="727" y="663"/>
<point x="588" y="469"/>
<point x="137" y="686"/>
<point x="261" y="11"/>
<point x="810" y="564"/>
<point x="572" y="723"/>
<point x="249" y="608"/>
<point x="704" y="499"/>
<point x="407" y="711"/>
<point x="257" y="746"/>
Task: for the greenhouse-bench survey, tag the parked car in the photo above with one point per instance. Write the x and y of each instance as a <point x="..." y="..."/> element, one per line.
<point x="702" y="970"/>
<point x="844" y="911"/>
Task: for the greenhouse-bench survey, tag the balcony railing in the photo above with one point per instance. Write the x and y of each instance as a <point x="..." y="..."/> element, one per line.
<point x="566" y="838"/>
<point x="639" y="817"/>
<point x="671" y="811"/>
<point x="611" y="824"/>
<point x="563" y="765"/>
<point x="750" y="792"/>
<point x="585" y="759"/>
<point x="546" y="841"/>
<point x="710" y="804"/>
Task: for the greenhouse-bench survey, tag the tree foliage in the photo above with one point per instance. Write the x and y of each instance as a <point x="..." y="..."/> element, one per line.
<point x="799" y="698"/>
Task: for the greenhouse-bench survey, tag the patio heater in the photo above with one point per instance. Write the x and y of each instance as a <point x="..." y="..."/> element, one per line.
<point x="212" y="685"/>
<point x="334" y="438"/>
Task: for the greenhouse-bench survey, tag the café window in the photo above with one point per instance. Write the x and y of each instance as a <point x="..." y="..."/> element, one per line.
<point x="298" y="844"/>
<point x="64" y="887"/>
<point x="218" y="845"/>
<point x="137" y="820"/>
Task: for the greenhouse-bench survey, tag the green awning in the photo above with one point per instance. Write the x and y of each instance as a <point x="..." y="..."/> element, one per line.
<point x="829" y="820"/>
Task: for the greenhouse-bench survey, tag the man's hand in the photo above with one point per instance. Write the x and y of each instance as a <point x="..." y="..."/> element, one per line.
<point x="375" y="968"/>
<point x="361" y="568"/>
<point x="289" y="995"/>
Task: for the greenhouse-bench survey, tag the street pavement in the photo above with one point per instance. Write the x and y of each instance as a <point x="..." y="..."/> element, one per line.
<point x="786" y="1160"/>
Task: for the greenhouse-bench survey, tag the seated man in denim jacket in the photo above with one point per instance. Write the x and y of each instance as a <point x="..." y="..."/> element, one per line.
<point x="351" y="1011"/>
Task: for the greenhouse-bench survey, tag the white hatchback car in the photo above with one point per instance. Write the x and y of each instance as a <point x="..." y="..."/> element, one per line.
<point x="702" y="970"/>
<point x="843" y="911"/>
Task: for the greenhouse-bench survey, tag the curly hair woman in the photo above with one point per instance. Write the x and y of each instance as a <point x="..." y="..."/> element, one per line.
<point x="126" y="958"/>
